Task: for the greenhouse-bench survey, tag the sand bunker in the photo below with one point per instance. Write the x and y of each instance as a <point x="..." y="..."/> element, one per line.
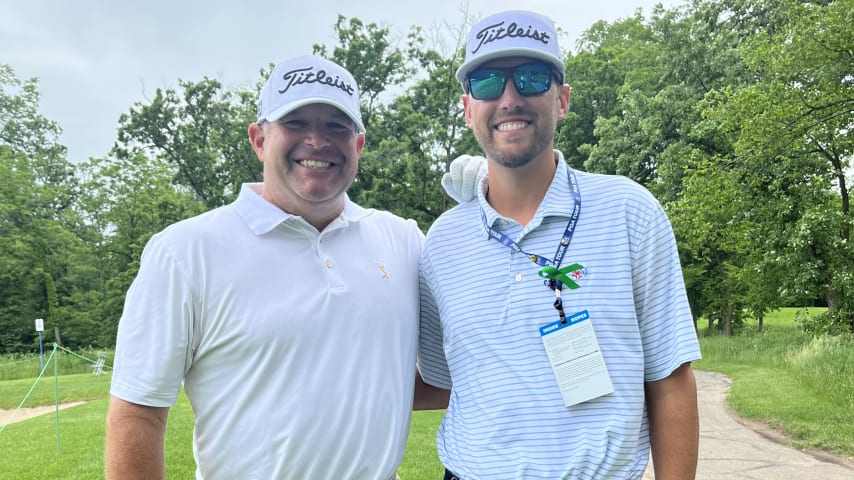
<point x="30" y="412"/>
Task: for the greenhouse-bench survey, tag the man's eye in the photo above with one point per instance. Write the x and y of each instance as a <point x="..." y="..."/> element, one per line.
<point x="337" y="127"/>
<point x="295" y="124"/>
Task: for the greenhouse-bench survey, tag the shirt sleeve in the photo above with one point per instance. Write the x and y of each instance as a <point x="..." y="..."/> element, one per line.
<point x="431" y="354"/>
<point x="153" y="346"/>
<point x="666" y="324"/>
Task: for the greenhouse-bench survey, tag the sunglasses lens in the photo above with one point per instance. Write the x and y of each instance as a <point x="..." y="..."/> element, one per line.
<point x="487" y="84"/>
<point x="529" y="80"/>
<point x="532" y="79"/>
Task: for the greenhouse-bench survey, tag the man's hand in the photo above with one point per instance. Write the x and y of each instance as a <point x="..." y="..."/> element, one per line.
<point x="463" y="180"/>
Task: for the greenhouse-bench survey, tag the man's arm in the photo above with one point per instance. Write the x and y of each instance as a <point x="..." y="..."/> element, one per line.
<point x="674" y="428"/>
<point x="135" y="434"/>
<point x="428" y="397"/>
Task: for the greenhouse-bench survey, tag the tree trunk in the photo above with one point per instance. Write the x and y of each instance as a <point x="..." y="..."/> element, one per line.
<point x="728" y="321"/>
<point x="830" y="298"/>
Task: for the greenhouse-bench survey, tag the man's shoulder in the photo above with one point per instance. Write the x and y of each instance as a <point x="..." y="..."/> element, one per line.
<point x="612" y="188"/>
<point x="199" y="228"/>
<point x="385" y="218"/>
<point x="605" y="180"/>
<point x="386" y="225"/>
<point x="213" y="218"/>
<point x="457" y="225"/>
<point x="462" y="212"/>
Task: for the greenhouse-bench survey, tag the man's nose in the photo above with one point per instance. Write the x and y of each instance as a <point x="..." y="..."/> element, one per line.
<point x="510" y="97"/>
<point x="317" y="137"/>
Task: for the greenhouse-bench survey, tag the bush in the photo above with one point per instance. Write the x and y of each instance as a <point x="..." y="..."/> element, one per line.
<point x="823" y="323"/>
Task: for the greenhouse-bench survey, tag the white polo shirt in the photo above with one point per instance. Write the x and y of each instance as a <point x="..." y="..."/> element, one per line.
<point x="296" y="347"/>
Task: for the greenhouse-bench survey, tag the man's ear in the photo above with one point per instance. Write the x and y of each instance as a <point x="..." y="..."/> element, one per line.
<point x="563" y="99"/>
<point x="360" y="143"/>
<point x="466" y="101"/>
<point x="257" y="137"/>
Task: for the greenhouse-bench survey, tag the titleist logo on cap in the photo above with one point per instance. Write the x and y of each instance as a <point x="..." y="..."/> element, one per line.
<point x="306" y="80"/>
<point x="495" y="32"/>
<point x="309" y="75"/>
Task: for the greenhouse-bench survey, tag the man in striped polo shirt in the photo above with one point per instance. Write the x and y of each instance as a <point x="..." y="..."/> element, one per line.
<point x="553" y="304"/>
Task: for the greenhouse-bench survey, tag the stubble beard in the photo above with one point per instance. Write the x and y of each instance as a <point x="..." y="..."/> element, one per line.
<point x="540" y="142"/>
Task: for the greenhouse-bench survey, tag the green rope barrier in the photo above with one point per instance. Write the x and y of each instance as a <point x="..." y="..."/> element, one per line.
<point x="80" y="356"/>
<point x="29" y="392"/>
<point x="55" y="389"/>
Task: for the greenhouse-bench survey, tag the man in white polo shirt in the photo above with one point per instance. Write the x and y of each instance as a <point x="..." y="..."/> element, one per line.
<point x="553" y="304"/>
<point x="290" y="316"/>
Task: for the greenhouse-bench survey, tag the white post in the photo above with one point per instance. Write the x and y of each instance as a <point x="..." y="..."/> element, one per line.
<point x="40" y="329"/>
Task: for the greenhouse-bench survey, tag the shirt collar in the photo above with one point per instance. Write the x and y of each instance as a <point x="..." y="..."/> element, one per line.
<point x="559" y="199"/>
<point x="261" y="216"/>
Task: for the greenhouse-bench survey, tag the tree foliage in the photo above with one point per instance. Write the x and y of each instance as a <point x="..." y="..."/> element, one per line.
<point x="790" y="131"/>
<point x="42" y="246"/>
<point x="736" y="114"/>
<point x="200" y="130"/>
<point x="412" y="138"/>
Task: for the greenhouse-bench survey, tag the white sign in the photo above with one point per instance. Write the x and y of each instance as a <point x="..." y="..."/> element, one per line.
<point x="39" y="324"/>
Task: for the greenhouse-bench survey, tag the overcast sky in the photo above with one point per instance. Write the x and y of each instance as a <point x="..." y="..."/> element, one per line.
<point x="95" y="58"/>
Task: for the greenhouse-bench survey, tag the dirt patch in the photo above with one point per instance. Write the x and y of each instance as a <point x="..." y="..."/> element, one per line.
<point x="30" y="412"/>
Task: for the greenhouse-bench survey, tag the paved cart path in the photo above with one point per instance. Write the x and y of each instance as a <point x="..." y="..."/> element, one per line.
<point x="735" y="449"/>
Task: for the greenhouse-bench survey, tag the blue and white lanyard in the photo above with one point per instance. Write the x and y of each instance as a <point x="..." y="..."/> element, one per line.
<point x="563" y="245"/>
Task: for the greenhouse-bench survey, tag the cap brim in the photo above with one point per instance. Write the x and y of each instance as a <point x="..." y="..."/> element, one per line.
<point x="286" y="109"/>
<point x="465" y="68"/>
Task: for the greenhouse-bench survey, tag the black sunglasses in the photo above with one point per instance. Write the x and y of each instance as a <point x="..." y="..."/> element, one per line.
<point x="530" y="79"/>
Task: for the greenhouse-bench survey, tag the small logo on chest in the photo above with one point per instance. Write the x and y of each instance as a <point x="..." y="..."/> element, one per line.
<point x="382" y="269"/>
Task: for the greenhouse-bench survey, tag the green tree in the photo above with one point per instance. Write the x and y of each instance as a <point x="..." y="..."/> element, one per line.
<point x="127" y="200"/>
<point x="709" y="220"/>
<point x="614" y="59"/>
<point x="412" y="138"/>
<point x="200" y="130"/>
<point x="790" y="128"/>
<point x="368" y="52"/>
<point x="42" y="245"/>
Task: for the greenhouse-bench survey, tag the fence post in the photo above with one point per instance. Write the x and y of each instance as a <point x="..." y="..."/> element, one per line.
<point x="56" y="394"/>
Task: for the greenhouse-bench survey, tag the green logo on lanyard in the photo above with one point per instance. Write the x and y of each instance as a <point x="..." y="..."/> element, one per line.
<point x="562" y="275"/>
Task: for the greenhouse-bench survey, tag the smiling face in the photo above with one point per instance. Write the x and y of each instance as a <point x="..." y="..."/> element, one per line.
<point x="310" y="157"/>
<point x="512" y="129"/>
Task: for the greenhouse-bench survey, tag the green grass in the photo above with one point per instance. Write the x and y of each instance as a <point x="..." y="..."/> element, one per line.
<point x="17" y="366"/>
<point x="796" y="383"/>
<point x="71" y="388"/>
<point x="81" y="435"/>
<point x="420" y="461"/>
<point x="781" y="376"/>
<point x="34" y="454"/>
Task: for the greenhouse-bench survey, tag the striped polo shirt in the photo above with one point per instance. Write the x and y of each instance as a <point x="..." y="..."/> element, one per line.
<point x="482" y="305"/>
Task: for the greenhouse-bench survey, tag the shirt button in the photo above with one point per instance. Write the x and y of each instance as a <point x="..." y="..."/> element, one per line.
<point x="518" y="277"/>
<point x="329" y="264"/>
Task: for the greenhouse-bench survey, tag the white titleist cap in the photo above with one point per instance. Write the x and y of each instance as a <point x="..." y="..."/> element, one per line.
<point x="512" y="34"/>
<point x="305" y="80"/>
